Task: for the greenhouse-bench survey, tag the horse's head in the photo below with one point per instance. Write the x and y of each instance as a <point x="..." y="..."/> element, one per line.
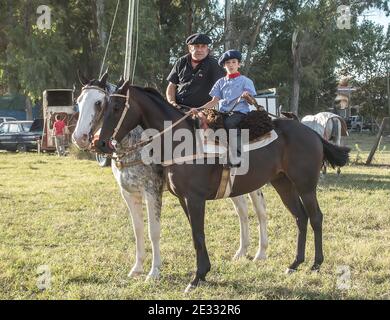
<point x="91" y="104"/>
<point x="120" y="117"/>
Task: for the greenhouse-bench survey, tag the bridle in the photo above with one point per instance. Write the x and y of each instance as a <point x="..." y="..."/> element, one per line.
<point x="141" y="143"/>
<point x="100" y="112"/>
<point x="124" y="112"/>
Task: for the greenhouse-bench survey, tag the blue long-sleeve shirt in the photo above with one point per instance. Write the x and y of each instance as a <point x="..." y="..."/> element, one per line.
<point x="229" y="90"/>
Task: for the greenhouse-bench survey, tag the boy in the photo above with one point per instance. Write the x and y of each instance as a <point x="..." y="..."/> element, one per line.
<point x="59" y="128"/>
<point x="229" y="91"/>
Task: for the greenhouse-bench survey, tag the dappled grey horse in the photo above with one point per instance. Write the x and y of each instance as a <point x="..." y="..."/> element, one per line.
<point x="138" y="181"/>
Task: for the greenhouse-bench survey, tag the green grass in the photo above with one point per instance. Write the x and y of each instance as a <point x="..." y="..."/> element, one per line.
<point x="67" y="214"/>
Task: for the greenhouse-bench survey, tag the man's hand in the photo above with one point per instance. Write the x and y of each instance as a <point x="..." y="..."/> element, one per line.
<point x="173" y="103"/>
<point x="194" y="112"/>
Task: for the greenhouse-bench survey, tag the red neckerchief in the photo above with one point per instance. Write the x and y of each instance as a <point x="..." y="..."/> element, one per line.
<point x="233" y="75"/>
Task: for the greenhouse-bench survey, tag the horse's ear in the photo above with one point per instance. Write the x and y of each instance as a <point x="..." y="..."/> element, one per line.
<point x="103" y="79"/>
<point x="83" y="80"/>
<point x="123" y="89"/>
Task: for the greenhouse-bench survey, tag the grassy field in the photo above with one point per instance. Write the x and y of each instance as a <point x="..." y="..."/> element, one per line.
<point x="67" y="215"/>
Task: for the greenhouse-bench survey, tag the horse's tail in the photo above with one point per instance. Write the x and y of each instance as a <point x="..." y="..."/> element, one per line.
<point x="335" y="155"/>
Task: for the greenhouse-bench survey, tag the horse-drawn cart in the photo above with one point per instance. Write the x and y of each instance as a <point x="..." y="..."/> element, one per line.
<point x="57" y="101"/>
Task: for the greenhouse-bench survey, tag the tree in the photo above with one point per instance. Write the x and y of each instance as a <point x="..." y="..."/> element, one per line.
<point x="366" y="61"/>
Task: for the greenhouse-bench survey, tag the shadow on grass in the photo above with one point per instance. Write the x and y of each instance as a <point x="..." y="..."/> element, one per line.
<point x="277" y="292"/>
<point x="357" y="181"/>
<point x="89" y="280"/>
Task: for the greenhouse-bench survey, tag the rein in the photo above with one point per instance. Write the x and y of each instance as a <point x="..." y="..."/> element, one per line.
<point x="142" y="143"/>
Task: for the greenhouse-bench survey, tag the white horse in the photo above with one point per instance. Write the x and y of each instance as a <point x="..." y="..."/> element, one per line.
<point x="139" y="181"/>
<point x="329" y="126"/>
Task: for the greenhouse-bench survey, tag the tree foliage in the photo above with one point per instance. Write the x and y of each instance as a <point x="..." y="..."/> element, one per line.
<point x="32" y="60"/>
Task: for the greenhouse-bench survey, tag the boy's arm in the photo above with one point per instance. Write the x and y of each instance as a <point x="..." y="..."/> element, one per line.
<point x="211" y="103"/>
<point x="207" y="105"/>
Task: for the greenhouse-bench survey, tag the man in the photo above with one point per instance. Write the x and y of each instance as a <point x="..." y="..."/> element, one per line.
<point x="194" y="74"/>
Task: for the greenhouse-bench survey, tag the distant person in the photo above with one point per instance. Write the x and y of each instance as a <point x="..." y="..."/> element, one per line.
<point x="59" y="128"/>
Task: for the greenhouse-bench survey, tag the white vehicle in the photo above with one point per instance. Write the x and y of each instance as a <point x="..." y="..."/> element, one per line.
<point x="6" y="119"/>
<point x="269" y="100"/>
<point x="355" y="123"/>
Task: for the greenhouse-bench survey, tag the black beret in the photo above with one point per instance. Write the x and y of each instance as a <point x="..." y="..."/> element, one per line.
<point x="228" y="55"/>
<point x="198" y="38"/>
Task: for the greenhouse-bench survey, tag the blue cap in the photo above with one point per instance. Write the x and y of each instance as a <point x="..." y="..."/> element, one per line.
<point x="228" y="55"/>
<point x="198" y="38"/>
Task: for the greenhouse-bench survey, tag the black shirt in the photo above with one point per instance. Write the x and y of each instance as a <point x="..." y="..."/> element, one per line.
<point x="194" y="85"/>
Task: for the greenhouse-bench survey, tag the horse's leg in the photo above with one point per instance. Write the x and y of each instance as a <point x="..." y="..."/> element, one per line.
<point x="153" y="206"/>
<point x="258" y="202"/>
<point x="134" y="203"/>
<point x="195" y="211"/>
<point x="290" y="198"/>
<point x="241" y="207"/>
<point x="309" y="200"/>
<point x="338" y="140"/>
<point x="324" y="168"/>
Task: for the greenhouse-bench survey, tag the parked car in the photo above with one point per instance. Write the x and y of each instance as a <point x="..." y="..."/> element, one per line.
<point x="20" y="135"/>
<point x="355" y="123"/>
<point x="6" y="119"/>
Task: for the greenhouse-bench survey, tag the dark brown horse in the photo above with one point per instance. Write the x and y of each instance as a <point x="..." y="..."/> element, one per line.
<point x="291" y="164"/>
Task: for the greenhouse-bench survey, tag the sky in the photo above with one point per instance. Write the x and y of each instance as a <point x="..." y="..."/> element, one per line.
<point x="376" y="16"/>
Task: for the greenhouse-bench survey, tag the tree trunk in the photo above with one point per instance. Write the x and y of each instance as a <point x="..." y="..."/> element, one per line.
<point x="239" y="39"/>
<point x="29" y="115"/>
<point x="94" y="41"/>
<point x="266" y="5"/>
<point x="190" y="18"/>
<point x="100" y="22"/>
<point x="297" y="72"/>
<point x="228" y="25"/>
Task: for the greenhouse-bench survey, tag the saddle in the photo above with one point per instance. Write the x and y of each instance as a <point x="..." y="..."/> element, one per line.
<point x="257" y="122"/>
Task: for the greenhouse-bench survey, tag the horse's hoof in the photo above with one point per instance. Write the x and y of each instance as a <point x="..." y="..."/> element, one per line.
<point x="190" y="288"/>
<point x="135" y="274"/>
<point x="315" y="268"/>
<point x="239" y="255"/>
<point x="290" y="271"/>
<point x="260" y="256"/>
<point x="152" y="276"/>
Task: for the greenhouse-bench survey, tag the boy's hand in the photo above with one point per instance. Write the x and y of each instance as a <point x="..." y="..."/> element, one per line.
<point x="246" y="95"/>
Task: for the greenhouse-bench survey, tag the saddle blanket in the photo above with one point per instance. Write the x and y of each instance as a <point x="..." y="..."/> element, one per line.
<point x="212" y="150"/>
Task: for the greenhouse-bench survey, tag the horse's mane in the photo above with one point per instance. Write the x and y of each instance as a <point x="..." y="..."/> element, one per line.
<point x="156" y="96"/>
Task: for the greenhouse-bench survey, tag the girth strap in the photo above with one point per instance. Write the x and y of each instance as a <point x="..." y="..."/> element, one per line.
<point x="226" y="184"/>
